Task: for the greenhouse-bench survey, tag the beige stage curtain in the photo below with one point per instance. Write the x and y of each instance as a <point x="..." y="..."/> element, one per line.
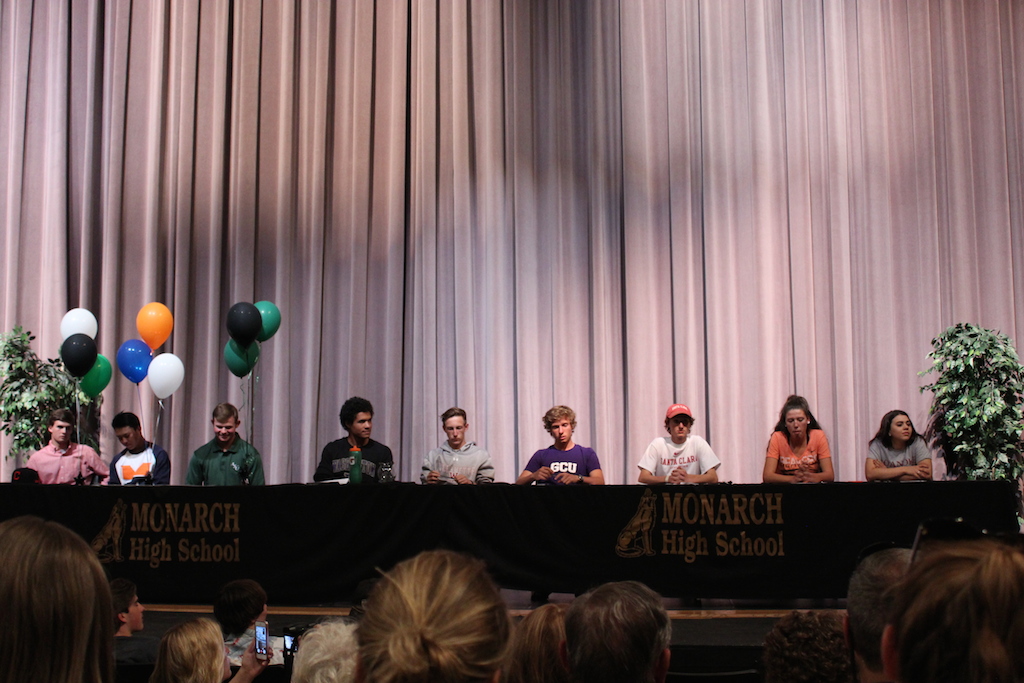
<point x="613" y="205"/>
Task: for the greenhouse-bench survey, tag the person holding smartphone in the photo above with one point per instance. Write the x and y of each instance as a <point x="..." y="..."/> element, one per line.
<point x="241" y="610"/>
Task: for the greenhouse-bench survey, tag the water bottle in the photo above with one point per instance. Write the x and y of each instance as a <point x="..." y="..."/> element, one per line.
<point x="386" y="476"/>
<point x="355" y="466"/>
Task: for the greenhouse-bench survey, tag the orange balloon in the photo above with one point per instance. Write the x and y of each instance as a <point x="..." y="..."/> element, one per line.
<point x="155" y="323"/>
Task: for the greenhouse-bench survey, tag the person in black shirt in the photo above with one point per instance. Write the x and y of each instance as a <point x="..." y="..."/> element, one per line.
<point x="128" y="647"/>
<point x="357" y="418"/>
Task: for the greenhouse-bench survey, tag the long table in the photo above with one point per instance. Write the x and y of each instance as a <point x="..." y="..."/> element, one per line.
<point x="313" y="543"/>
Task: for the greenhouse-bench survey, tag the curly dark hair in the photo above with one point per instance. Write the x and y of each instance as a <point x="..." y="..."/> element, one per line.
<point x="807" y="647"/>
<point x="351" y="408"/>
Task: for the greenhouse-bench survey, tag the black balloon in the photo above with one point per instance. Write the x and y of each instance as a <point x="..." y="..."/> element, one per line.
<point x="244" y="323"/>
<point x="79" y="354"/>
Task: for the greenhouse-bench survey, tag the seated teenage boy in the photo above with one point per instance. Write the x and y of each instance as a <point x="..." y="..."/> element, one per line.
<point x="357" y="418"/>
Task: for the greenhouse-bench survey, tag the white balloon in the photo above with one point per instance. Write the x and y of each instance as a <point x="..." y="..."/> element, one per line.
<point x="166" y="373"/>
<point x="78" y="321"/>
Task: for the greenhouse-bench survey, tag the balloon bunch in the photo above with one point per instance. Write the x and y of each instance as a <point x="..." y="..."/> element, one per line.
<point x="135" y="358"/>
<point x="78" y="351"/>
<point x="248" y="323"/>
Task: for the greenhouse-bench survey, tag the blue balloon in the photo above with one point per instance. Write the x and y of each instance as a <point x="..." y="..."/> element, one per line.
<point x="133" y="359"/>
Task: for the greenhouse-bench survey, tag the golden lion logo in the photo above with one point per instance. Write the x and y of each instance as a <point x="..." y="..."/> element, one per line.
<point x="107" y="544"/>
<point x="635" y="538"/>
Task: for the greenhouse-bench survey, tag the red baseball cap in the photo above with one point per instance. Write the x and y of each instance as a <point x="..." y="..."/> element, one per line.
<point x="677" y="409"/>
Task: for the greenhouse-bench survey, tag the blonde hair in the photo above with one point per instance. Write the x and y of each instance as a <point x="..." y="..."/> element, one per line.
<point x="533" y="655"/>
<point x="559" y="413"/>
<point x="957" y="615"/>
<point x="190" y="652"/>
<point x="327" y="654"/>
<point x="437" y="617"/>
<point x="56" y="606"/>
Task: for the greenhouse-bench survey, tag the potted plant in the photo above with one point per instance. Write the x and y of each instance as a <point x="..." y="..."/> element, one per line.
<point x="977" y="413"/>
<point x="31" y="388"/>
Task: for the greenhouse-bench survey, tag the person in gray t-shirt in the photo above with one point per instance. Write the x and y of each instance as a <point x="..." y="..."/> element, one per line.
<point x="898" y="452"/>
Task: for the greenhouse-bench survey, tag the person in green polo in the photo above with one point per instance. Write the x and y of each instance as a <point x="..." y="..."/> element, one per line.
<point x="227" y="460"/>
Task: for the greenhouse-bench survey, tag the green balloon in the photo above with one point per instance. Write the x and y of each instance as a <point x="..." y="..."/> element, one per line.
<point x="241" y="361"/>
<point x="271" y="315"/>
<point x="97" y="379"/>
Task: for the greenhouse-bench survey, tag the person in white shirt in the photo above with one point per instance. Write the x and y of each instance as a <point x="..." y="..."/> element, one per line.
<point x="680" y="457"/>
<point x="141" y="461"/>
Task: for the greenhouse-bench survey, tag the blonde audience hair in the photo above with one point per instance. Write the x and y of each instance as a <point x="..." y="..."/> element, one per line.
<point x="327" y="654"/>
<point x="56" y="606"/>
<point x="533" y="655"/>
<point x="190" y="652"/>
<point x="437" y="617"/>
<point x="957" y="616"/>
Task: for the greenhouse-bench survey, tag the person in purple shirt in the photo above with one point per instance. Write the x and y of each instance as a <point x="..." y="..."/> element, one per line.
<point x="564" y="462"/>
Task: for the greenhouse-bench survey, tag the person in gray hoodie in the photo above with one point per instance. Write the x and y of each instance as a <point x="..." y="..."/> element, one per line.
<point x="457" y="461"/>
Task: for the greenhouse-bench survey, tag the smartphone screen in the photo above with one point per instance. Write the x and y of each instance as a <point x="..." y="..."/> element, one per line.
<point x="261" y="640"/>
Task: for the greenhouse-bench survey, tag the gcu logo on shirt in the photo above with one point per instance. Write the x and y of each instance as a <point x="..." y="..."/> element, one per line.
<point x="569" y="467"/>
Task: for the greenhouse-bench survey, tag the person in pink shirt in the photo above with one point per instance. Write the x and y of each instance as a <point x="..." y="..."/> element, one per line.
<point x="798" y="450"/>
<point x="64" y="462"/>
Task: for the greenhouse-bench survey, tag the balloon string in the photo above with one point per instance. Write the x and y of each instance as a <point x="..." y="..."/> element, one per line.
<point x="158" y="416"/>
<point x="245" y="396"/>
<point x="142" y="419"/>
<point x="78" y="411"/>
<point x="252" y="407"/>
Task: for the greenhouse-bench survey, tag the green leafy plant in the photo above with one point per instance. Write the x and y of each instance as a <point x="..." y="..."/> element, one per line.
<point x="977" y="413"/>
<point x="31" y="388"/>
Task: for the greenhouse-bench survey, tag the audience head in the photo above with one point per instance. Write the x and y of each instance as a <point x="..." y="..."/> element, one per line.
<point x="191" y="652"/>
<point x="617" y="633"/>
<point x="327" y="654"/>
<point x="436" y="617"/>
<point x="957" y="616"/>
<point x="557" y="414"/>
<point x="885" y="429"/>
<point x="351" y="408"/>
<point x="867" y="606"/>
<point x="533" y="653"/>
<point x="795" y="402"/>
<point x="238" y="604"/>
<point x="127" y="609"/>
<point x="56" y="606"/>
<point x="807" y="647"/>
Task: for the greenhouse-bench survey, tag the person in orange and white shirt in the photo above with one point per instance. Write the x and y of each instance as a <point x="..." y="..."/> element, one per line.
<point x="798" y="450"/>
<point x="64" y="462"/>
<point x="141" y="461"/>
<point x="680" y="457"/>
